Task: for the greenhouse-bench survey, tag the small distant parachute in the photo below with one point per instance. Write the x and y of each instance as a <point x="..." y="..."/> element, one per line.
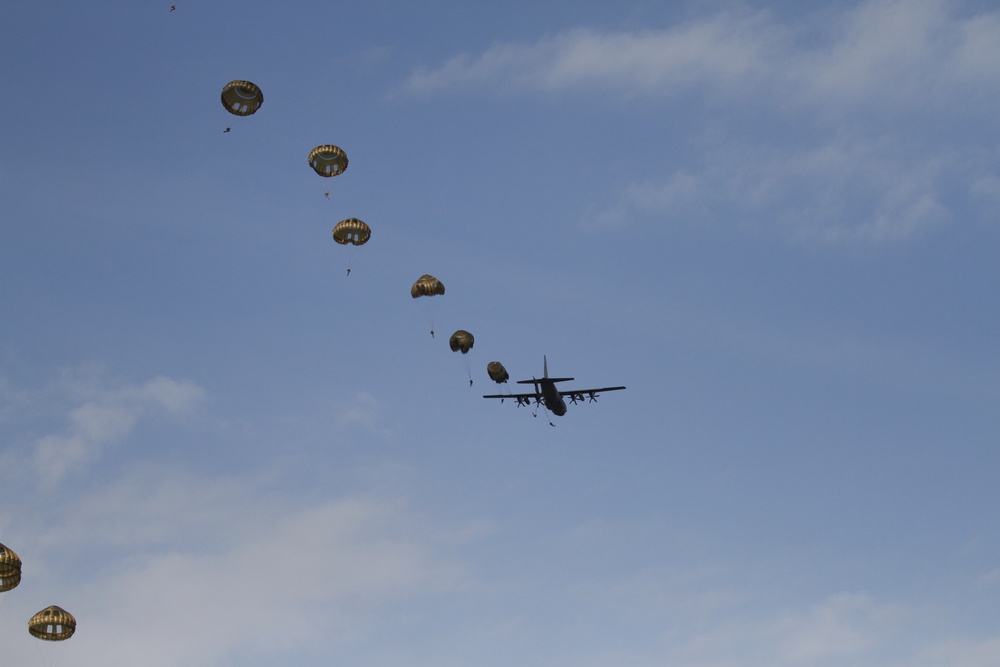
<point x="351" y="231"/>
<point x="497" y="372"/>
<point x="10" y="569"/>
<point x="52" y="624"/>
<point x="426" y="285"/>
<point x="461" y="341"/>
<point x="242" y="98"/>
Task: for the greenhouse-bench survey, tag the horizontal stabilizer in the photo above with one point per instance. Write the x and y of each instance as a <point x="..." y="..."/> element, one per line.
<point x="539" y="380"/>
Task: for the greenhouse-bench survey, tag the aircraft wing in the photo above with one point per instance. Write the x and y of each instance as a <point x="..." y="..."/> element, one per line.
<point x="582" y="395"/>
<point x="522" y="399"/>
<point x="573" y="395"/>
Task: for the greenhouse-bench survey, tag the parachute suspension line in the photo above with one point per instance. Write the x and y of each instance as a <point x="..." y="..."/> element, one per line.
<point x="468" y="368"/>
<point x="350" y="258"/>
<point x="49" y="653"/>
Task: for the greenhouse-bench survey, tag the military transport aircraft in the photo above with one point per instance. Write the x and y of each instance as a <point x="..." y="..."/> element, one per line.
<point x="546" y="393"/>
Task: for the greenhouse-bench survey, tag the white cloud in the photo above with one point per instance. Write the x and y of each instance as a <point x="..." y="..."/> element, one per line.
<point x="845" y="624"/>
<point x="991" y="578"/>
<point x="726" y="48"/>
<point x="889" y="50"/>
<point x="163" y="568"/>
<point x="364" y="412"/>
<point x="166" y="568"/>
<point x="174" y="397"/>
<point x="842" y="190"/>
<point x="99" y="411"/>
<point x="879" y="94"/>
<point x="966" y="653"/>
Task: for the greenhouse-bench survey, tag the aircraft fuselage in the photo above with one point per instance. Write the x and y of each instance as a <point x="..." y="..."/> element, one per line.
<point x="551" y="398"/>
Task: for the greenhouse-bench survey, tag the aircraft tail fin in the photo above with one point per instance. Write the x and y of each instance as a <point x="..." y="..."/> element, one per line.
<point x="545" y="377"/>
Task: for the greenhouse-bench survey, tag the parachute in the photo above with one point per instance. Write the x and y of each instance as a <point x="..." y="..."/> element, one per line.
<point x="462" y="341"/>
<point x="328" y="161"/>
<point x="10" y="569"/>
<point x="351" y="231"/>
<point x="242" y="98"/>
<point x="426" y="285"/>
<point x="497" y="372"/>
<point x="52" y="624"/>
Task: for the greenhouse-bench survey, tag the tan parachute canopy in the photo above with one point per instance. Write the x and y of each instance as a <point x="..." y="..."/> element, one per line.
<point x="352" y="231"/>
<point x="328" y="160"/>
<point x="10" y="569"/>
<point x="52" y="624"/>
<point x="426" y="285"/>
<point x="462" y="341"/>
<point x="9" y="562"/>
<point x="497" y="372"/>
<point x="241" y="98"/>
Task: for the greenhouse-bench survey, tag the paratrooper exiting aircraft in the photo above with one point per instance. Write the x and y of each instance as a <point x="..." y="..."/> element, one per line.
<point x="547" y="395"/>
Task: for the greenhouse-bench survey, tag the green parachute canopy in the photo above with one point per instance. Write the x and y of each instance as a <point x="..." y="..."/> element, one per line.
<point x="497" y="372"/>
<point x="426" y="285"/>
<point x="461" y="341"/>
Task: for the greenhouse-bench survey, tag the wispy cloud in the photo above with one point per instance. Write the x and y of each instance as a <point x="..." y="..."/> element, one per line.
<point x="99" y="411"/>
<point x="866" y="114"/>
<point x="885" y="49"/>
<point x="364" y="412"/>
<point x="726" y="47"/>
<point x="843" y="190"/>
<point x="166" y="567"/>
<point x="225" y="564"/>
<point x="967" y="653"/>
<point x="842" y="625"/>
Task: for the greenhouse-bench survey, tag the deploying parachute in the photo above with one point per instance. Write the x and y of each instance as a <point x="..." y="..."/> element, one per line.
<point x="52" y="624"/>
<point x="497" y="372"/>
<point x="241" y="98"/>
<point x="426" y="285"/>
<point x="461" y="341"/>
<point x="10" y="569"/>
<point x="352" y="231"/>
<point x="328" y="161"/>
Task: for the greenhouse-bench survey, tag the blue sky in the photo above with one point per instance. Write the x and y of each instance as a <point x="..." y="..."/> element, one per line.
<point x="774" y="222"/>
